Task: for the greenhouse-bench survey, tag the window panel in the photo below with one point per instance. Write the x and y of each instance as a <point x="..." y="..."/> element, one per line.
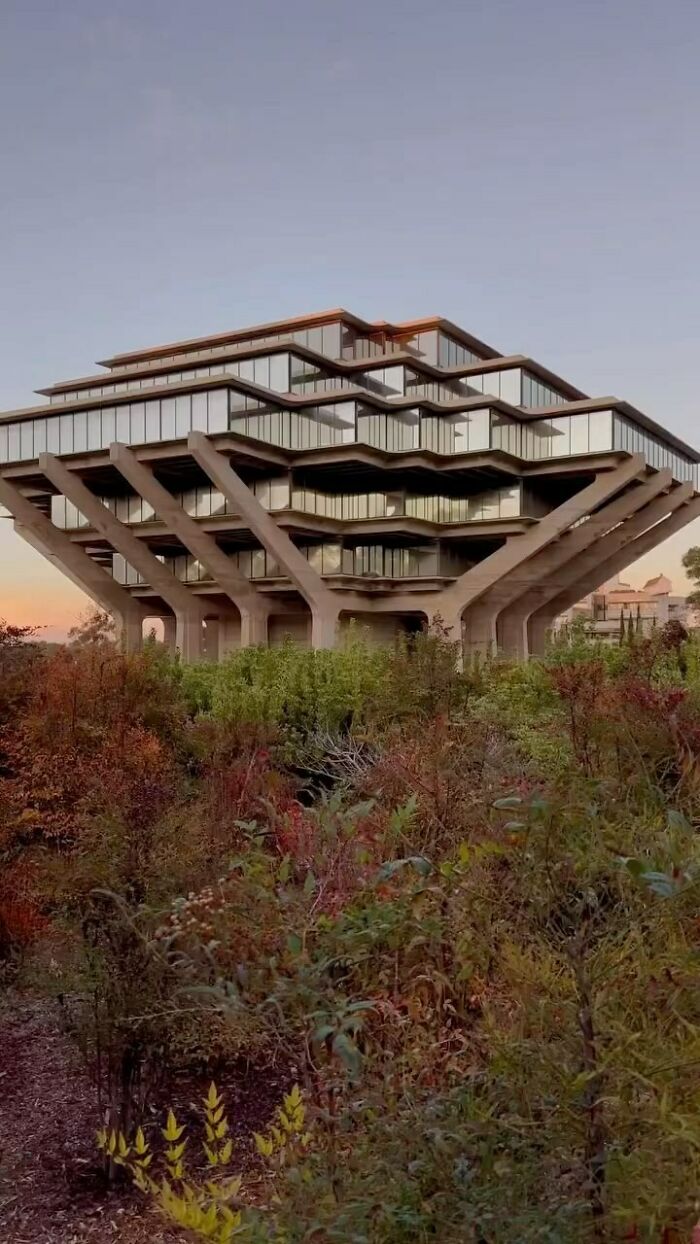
<point x="138" y="423"/>
<point x="153" y="422"/>
<point x="183" y="414"/>
<point x="109" y="426"/>
<point x="122" y="430"/>
<point x="167" y="419"/>
<point x="26" y="436"/>
<point x="217" y="410"/>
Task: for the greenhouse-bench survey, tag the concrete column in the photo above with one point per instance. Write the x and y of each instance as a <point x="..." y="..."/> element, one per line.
<point x="251" y="605"/>
<point x="57" y="547"/>
<point x="493" y="571"/>
<point x="187" y="609"/>
<point x="254" y="630"/>
<point x="324" y="606"/>
<point x="681" y="514"/>
<point x="211" y="639"/>
<point x="170" y="634"/>
<point x="555" y="566"/>
<point x="480" y="626"/>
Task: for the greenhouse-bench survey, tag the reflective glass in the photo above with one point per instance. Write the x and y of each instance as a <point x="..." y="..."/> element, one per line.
<point x="167" y="418"/>
<point x="26" y="439"/>
<point x="122" y="430"/>
<point x="109" y="426"/>
<point x="137" y="434"/>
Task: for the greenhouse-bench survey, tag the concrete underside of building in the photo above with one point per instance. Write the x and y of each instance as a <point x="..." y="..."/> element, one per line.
<point x="284" y="480"/>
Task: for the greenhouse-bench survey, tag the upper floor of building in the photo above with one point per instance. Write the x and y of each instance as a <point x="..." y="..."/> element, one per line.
<point x="333" y="379"/>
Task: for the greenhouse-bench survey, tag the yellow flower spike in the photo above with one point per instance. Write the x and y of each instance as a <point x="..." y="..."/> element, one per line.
<point x="263" y="1145"/>
<point x="172" y="1131"/>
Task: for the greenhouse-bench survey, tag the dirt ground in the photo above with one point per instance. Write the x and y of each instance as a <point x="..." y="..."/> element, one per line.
<point x="50" y="1188"/>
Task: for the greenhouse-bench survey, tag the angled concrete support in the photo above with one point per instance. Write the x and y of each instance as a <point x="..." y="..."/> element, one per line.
<point x="558" y="564"/>
<point x="38" y="531"/>
<point x="679" y="511"/>
<point x="187" y="609"/>
<point x="324" y="606"/>
<point x="491" y="575"/>
<point x="251" y="605"/>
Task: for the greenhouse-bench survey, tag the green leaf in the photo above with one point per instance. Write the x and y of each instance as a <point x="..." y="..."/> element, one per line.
<point x="509" y="801"/>
<point x="677" y="821"/>
<point x="348" y="1052"/>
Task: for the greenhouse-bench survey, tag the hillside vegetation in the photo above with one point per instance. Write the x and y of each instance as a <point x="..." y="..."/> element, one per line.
<point x="440" y="927"/>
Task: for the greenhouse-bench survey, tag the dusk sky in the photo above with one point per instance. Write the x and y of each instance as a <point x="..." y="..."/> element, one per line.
<point x="527" y="168"/>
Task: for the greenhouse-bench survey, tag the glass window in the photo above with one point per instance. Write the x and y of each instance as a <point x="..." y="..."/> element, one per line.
<point x="167" y="418"/>
<point x="153" y="422"/>
<point x="183" y="414"/>
<point x="123" y="425"/>
<point x="26" y="433"/>
<point x="278" y="378"/>
<point x="138" y="423"/>
<point x="53" y="436"/>
<point x="217" y="410"/>
<point x="39" y="437"/>
<point x="66" y="433"/>
<point x="199" y="412"/>
<point x="600" y="430"/>
<point x="109" y="425"/>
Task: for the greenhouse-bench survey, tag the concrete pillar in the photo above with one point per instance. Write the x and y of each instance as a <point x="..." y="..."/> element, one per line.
<point x="254" y="630"/>
<point x="324" y="605"/>
<point x="73" y="562"/>
<point x="683" y="511"/>
<point x="187" y="609"/>
<point x="211" y="639"/>
<point x="480" y="627"/>
<point x="492" y="574"/>
<point x="552" y="569"/>
<point x="170" y="634"/>
<point x="251" y="605"/>
<point x="130" y="633"/>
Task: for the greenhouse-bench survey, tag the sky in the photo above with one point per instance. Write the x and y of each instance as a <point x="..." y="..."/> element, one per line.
<point x="527" y="168"/>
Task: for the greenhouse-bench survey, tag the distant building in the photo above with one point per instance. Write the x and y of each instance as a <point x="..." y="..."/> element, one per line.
<point x="611" y="611"/>
<point x="284" y="480"/>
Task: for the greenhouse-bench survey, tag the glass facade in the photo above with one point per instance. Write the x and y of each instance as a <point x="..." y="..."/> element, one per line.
<point x="326" y="339"/>
<point x="279" y="494"/>
<point x="336" y="423"/>
<point x="635" y="440"/>
<point x="535" y="393"/>
<point x="464" y="432"/>
<point x="482" y="507"/>
<point x="135" y="423"/>
<point x="327" y="558"/>
<point x="203" y="502"/>
<point x="316" y="427"/>
<point x="504" y="384"/>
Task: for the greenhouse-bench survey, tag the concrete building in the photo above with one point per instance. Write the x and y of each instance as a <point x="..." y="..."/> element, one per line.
<point x="610" y="611"/>
<point x="283" y="479"/>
